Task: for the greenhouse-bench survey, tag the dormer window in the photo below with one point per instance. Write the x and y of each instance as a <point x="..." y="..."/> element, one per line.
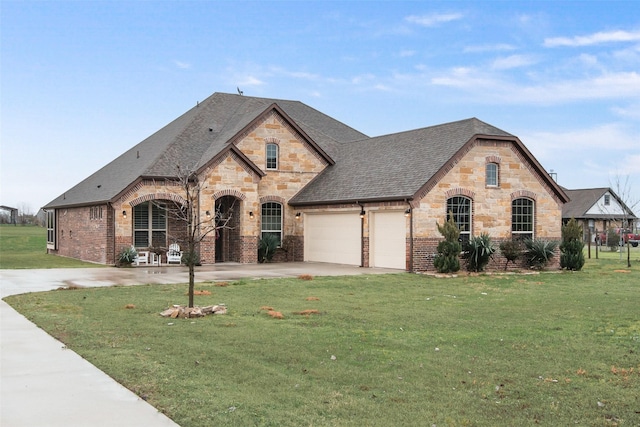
<point x="272" y="156"/>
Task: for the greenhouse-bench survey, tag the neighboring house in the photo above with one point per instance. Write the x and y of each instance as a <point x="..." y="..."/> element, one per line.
<point x="328" y="192"/>
<point x="597" y="209"/>
<point x="10" y="213"/>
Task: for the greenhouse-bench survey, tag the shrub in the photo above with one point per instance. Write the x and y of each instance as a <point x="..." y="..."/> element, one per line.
<point x="571" y="248"/>
<point x="511" y="250"/>
<point x="446" y="261"/>
<point x="613" y="239"/>
<point x="478" y="251"/>
<point x="539" y="252"/>
<point x="267" y="247"/>
<point x="126" y="256"/>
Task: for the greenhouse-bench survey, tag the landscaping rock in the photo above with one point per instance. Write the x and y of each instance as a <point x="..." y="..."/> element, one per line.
<point x="178" y="311"/>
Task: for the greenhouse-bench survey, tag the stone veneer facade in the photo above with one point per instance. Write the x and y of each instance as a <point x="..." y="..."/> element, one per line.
<point x="97" y="234"/>
<point x="491" y="205"/>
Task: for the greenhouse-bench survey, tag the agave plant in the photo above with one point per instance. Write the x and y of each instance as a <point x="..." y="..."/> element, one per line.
<point x="267" y="247"/>
<point x="539" y="252"/>
<point x="478" y="252"/>
<point x="127" y="256"/>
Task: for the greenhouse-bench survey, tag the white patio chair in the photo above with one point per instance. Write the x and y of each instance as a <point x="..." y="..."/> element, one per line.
<point x="174" y="254"/>
<point x="142" y="258"/>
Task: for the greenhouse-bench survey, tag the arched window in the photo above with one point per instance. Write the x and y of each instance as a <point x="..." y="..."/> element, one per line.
<point x="491" y="174"/>
<point x="272" y="156"/>
<point x="460" y="207"/>
<point x="272" y="219"/>
<point x="522" y="214"/>
<point x="150" y="225"/>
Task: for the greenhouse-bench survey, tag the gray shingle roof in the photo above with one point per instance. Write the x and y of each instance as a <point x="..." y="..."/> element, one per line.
<point x="195" y="138"/>
<point x="584" y="199"/>
<point x="389" y="167"/>
<point x="392" y="166"/>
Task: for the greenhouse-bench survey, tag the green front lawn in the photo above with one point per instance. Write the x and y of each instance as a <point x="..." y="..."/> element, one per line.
<point x="26" y="247"/>
<point x="393" y="350"/>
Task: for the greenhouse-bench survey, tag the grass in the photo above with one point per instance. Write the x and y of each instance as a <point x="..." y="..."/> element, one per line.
<point x="26" y="247"/>
<point x="483" y="350"/>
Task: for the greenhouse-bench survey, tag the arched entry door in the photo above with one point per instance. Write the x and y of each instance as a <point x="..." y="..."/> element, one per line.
<point x="228" y="247"/>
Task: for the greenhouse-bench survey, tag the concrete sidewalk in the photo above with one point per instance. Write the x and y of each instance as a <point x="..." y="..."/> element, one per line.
<point x="44" y="384"/>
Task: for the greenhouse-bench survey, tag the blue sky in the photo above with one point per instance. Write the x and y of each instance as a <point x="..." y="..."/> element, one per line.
<point x="83" y="81"/>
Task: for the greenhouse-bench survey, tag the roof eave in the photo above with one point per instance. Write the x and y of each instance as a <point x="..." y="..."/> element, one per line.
<point x="404" y="198"/>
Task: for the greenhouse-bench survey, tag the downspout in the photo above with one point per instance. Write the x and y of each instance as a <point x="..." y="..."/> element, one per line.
<point x="112" y="224"/>
<point x="361" y="234"/>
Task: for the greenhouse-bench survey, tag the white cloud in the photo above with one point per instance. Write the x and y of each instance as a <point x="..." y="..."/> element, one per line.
<point x="588" y="60"/>
<point x="489" y="48"/>
<point x="589" y="157"/>
<point x="182" y="65"/>
<point x="597" y="140"/>
<point x="513" y="61"/>
<point x="362" y="79"/>
<point x="620" y="85"/>
<point x="592" y="39"/>
<point x="250" y="81"/>
<point x="433" y="19"/>
<point x="406" y="53"/>
<point x="631" y="111"/>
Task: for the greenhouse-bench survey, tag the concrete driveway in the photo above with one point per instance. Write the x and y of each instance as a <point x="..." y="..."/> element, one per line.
<point x="44" y="384"/>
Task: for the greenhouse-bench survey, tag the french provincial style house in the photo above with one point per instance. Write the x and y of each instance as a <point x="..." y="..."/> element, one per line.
<point x="327" y="191"/>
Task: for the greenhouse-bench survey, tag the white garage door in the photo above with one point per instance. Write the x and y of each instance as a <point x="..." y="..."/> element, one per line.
<point x="332" y="238"/>
<point x="388" y="240"/>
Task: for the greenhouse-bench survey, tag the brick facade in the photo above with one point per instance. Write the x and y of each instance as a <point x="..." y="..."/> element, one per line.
<point x="491" y="206"/>
<point x="84" y="233"/>
<point x="98" y="233"/>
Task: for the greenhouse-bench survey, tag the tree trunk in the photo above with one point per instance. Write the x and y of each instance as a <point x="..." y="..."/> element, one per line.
<point x="191" y="283"/>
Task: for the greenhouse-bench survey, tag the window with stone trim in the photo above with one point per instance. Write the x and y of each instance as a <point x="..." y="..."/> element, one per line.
<point x="460" y="207"/>
<point x="272" y="156"/>
<point x="150" y="225"/>
<point x="522" y="216"/>
<point x="271" y="220"/>
<point x="491" y="175"/>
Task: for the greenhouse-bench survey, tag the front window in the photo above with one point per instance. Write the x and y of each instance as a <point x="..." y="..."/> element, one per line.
<point x="272" y="156"/>
<point x="492" y="175"/>
<point x="607" y="199"/>
<point x="522" y="218"/>
<point x="150" y="225"/>
<point x="272" y="219"/>
<point x="460" y="207"/>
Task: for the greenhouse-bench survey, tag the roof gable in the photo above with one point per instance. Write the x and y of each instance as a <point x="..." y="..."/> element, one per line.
<point x="197" y="137"/>
<point x="589" y="203"/>
<point x="274" y="108"/>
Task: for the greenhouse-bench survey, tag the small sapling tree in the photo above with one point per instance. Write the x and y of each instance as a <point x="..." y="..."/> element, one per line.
<point x="197" y="228"/>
